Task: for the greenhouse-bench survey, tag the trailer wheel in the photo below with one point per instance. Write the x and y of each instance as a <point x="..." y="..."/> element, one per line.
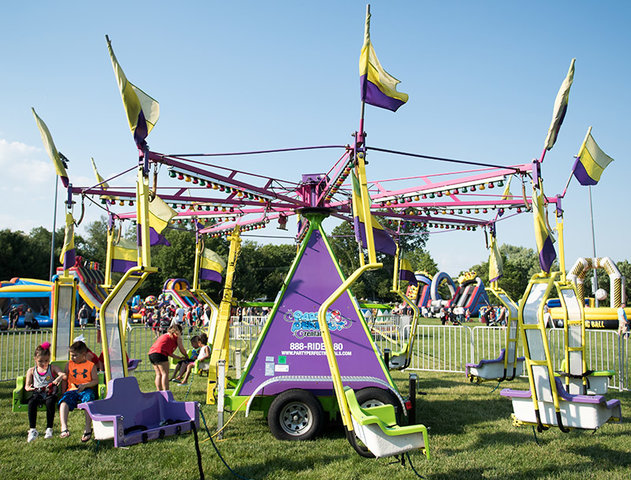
<point x="295" y="415"/>
<point x="375" y="397"/>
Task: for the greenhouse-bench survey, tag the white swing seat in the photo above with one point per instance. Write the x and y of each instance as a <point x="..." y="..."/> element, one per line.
<point x="377" y="428"/>
<point x="493" y="369"/>
<point x="398" y="360"/>
<point x="587" y="412"/>
<point x="597" y="381"/>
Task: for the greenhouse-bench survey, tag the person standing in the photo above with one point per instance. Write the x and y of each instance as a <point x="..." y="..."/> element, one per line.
<point x="83" y="316"/>
<point x="624" y="325"/>
<point x="29" y="318"/>
<point x="14" y="316"/>
<point x="159" y="353"/>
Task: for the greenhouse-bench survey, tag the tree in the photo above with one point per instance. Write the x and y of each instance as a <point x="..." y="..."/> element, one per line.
<point x="520" y="264"/>
<point x="95" y="246"/>
<point x="422" y="261"/>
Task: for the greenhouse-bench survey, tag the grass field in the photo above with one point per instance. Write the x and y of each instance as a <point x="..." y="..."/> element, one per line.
<point x="471" y="436"/>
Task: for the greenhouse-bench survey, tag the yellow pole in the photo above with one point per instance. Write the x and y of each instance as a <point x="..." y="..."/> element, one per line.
<point x="108" y="258"/>
<point x="328" y="343"/>
<point x="221" y="339"/>
<point x="199" y="248"/>
<point x="365" y="207"/>
<point x="142" y="217"/>
<point x="559" y="219"/>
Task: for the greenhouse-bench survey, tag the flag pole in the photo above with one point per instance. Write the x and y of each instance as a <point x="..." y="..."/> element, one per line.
<point x="591" y="218"/>
<point x="52" y="240"/>
<point x="360" y="134"/>
<point x="543" y="154"/>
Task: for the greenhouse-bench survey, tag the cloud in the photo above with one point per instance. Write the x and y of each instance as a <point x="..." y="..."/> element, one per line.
<point x="23" y="167"/>
<point x="26" y="186"/>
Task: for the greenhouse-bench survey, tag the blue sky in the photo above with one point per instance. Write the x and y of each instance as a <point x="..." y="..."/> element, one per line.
<point x="231" y="76"/>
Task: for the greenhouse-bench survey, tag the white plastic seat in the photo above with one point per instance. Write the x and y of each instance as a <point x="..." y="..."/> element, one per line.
<point x="494" y="369"/>
<point x="577" y="411"/>
<point x="377" y="428"/>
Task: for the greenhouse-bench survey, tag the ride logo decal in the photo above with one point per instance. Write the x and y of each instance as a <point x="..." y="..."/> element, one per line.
<point x="305" y="324"/>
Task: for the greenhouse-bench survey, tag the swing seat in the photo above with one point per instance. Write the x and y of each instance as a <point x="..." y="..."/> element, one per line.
<point x="133" y="364"/>
<point x="597" y="381"/>
<point x="587" y="412"/>
<point x="377" y="428"/>
<point x="493" y="369"/>
<point x="202" y="367"/>
<point x="399" y="360"/>
<point x="130" y="416"/>
<point x="21" y="397"/>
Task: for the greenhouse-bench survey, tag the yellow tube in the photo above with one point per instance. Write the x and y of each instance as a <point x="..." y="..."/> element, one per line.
<point x="328" y="344"/>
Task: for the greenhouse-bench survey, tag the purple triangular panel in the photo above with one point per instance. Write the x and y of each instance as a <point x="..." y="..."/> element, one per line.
<point x="293" y="345"/>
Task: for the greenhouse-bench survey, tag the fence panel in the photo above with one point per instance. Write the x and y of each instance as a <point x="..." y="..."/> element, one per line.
<point x="243" y="336"/>
<point x="436" y="347"/>
<point x="604" y="350"/>
<point x="16" y="351"/>
<point x="441" y="348"/>
<point x="487" y="342"/>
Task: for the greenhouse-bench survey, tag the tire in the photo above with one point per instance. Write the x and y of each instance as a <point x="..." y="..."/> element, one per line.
<point x="295" y="415"/>
<point x="374" y="397"/>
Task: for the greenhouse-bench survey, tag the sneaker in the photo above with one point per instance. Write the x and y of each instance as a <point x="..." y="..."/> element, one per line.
<point x="32" y="435"/>
<point x="182" y="384"/>
<point x="49" y="433"/>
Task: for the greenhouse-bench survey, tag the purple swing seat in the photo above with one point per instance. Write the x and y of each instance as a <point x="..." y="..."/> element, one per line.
<point x="130" y="416"/>
<point x="493" y="369"/>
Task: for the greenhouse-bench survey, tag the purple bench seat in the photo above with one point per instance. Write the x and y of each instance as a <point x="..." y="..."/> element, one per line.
<point x="130" y="416"/>
<point x="493" y="369"/>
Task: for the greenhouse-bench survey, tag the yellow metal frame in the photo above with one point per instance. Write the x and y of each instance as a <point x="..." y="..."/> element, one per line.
<point x="396" y="288"/>
<point x="144" y="273"/>
<point x="63" y="281"/>
<point x="220" y="342"/>
<point x="560" y="286"/>
<point x="371" y="265"/>
<point x="548" y="280"/>
<point x="498" y="292"/>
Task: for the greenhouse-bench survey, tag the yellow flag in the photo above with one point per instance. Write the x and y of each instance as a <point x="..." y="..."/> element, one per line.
<point x="142" y="110"/>
<point x="49" y="145"/>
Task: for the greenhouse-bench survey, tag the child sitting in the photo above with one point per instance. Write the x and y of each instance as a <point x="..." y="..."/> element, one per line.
<point x="42" y="380"/>
<point x="80" y="380"/>
<point x="203" y="353"/>
<point x="182" y="365"/>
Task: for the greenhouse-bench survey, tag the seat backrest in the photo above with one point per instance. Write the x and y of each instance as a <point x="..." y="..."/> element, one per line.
<point x="110" y="313"/>
<point x="535" y="341"/>
<point x="575" y="342"/>
<point x="63" y="306"/>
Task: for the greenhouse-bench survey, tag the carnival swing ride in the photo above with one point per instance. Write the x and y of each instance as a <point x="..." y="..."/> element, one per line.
<point x="315" y="353"/>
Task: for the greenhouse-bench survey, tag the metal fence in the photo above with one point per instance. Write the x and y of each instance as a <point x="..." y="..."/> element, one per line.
<point x="436" y="347"/>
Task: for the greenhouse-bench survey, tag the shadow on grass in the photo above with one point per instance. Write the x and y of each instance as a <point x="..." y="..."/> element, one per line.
<point x="494" y="440"/>
<point x="544" y="472"/>
<point x="264" y="468"/>
<point x="605" y="458"/>
<point x="449" y="417"/>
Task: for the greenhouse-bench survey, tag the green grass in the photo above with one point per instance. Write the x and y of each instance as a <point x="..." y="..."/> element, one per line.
<point x="471" y="436"/>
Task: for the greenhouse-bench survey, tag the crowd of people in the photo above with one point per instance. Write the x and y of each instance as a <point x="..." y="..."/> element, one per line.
<point x="162" y="314"/>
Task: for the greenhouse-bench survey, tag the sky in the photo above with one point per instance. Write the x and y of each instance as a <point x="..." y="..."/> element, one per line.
<point x="482" y="78"/>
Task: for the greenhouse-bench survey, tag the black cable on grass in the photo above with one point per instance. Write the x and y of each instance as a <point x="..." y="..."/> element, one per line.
<point x="534" y="432"/>
<point x="412" y="466"/>
<point x="199" y="453"/>
<point x="496" y="386"/>
<point x="217" y="450"/>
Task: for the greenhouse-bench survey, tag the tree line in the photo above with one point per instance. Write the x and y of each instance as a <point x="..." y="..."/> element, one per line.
<point x="262" y="268"/>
